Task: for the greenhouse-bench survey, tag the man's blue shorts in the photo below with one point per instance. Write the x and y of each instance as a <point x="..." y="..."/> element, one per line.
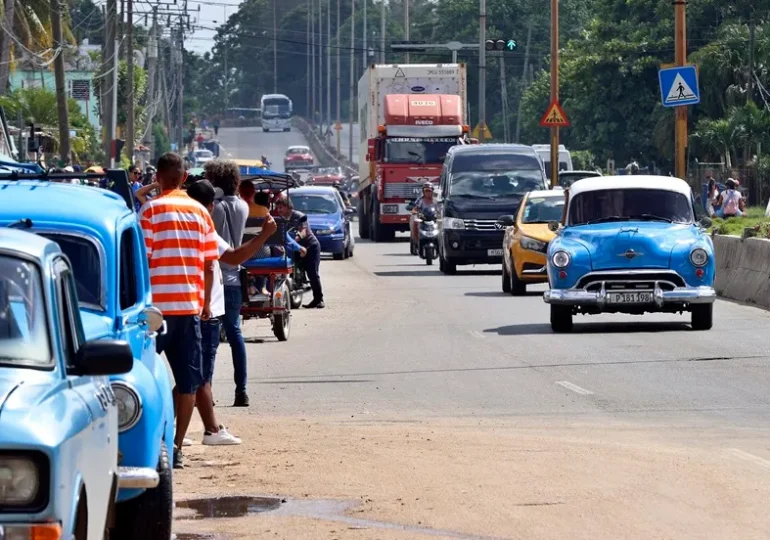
<point x="182" y="345"/>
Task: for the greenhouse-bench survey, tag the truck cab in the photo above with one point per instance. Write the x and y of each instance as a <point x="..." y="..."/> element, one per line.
<point x="408" y="150"/>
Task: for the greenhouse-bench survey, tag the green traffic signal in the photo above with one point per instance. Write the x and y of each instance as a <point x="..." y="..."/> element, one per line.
<point x="511" y="45"/>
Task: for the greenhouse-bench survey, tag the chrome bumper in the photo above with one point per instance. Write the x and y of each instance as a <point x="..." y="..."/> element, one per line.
<point x="581" y="297"/>
<point x="137" y="478"/>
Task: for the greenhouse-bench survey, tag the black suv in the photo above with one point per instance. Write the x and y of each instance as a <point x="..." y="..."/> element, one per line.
<point x="480" y="183"/>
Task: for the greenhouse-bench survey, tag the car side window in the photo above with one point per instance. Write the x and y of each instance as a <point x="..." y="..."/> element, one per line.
<point x="69" y="318"/>
<point x="129" y="295"/>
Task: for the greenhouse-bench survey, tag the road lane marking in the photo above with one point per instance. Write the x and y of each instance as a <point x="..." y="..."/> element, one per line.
<point x="575" y="388"/>
<point x="477" y="334"/>
<point x="745" y="456"/>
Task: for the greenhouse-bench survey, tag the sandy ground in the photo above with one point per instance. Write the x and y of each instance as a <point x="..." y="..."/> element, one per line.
<point x="527" y="479"/>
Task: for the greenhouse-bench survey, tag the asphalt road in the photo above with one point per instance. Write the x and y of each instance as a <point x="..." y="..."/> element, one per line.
<point x="400" y="338"/>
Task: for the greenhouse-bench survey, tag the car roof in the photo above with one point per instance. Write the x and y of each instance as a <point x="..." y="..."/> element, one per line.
<point x="568" y="173"/>
<point x="493" y="149"/>
<point x="550" y="193"/>
<point x="27" y="242"/>
<point x="314" y="190"/>
<point x="599" y="183"/>
<point x="296" y="146"/>
<point x="45" y="201"/>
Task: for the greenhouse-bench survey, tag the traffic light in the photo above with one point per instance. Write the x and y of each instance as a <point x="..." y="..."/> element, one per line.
<point x="501" y="45"/>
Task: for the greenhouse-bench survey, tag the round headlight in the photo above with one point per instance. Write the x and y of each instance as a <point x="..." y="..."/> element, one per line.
<point x="560" y="259"/>
<point x="699" y="257"/>
<point x="129" y="406"/>
<point x="19" y="481"/>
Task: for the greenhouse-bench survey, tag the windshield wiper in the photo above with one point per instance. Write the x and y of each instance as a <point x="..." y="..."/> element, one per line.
<point x="606" y="219"/>
<point x="652" y="217"/>
<point x="472" y="196"/>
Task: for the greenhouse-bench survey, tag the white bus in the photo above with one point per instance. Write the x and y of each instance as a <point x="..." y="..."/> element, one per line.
<point x="276" y="112"/>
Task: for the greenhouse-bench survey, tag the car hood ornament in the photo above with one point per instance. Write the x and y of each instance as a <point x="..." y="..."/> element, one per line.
<point x="630" y="254"/>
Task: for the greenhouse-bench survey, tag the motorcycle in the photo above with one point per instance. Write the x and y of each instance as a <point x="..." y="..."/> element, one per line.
<point x="427" y="246"/>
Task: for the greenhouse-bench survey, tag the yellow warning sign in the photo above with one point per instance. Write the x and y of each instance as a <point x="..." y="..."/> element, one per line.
<point x="555" y="116"/>
<point x="479" y="129"/>
<point x="338" y="126"/>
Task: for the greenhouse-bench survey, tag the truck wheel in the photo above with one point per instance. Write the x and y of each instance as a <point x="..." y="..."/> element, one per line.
<point x="363" y="218"/>
<point x="561" y="319"/>
<point x="81" y="519"/>
<point x="702" y="316"/>
<point x="148" y="516"/>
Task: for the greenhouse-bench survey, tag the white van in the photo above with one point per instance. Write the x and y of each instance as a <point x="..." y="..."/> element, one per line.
<point x="544" y="151"/>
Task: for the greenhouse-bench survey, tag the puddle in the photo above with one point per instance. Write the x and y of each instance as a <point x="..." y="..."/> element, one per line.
<point x="229" y="507"/>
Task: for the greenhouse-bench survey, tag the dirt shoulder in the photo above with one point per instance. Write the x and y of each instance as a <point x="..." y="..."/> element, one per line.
<point x="351" y="479"/>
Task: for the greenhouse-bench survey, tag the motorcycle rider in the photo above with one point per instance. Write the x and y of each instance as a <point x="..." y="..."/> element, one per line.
<point x="420" y="204"/>
<point x="265" y="162"/>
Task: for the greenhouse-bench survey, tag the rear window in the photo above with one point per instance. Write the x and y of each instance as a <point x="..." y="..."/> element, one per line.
<point x="473" y="162"/>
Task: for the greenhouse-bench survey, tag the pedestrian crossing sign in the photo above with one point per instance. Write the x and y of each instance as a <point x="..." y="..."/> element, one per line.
<point x="479" y="130"/>
<point x="554" y="116"/>
<point x="679" y="86"/>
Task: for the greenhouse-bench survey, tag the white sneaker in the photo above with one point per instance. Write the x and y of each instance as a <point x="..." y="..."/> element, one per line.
<point x="220" y="438"/>
<point x="187" y="442"/>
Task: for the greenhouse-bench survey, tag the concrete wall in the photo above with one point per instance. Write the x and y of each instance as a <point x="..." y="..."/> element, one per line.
<point x="743" y="269"/>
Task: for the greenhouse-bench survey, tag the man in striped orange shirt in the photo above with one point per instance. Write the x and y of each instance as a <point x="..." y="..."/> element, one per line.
<point x="182" y="247"/>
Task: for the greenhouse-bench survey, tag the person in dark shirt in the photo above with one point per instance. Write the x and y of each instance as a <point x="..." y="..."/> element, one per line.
<point x="310" y="248"/>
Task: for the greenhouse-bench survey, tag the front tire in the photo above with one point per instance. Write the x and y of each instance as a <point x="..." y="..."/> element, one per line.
<point x="149" y="516"/>
<point x="561" y="319"/>
<point x="339" y="256"/>
<point x="81" y="519"/>
<point x="450" y="269"/>
<point x="702" y="316"/>
<point x="517" y="287"/>
<point x="506" y="280"/>
<point x="282" y="325"/>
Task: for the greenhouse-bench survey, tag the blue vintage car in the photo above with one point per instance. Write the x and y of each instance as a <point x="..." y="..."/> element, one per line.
<point x="58" y="415"/>
<point x="630" y="244"/>
<point x="99" y="232"/>
<point x="328" y="218"/>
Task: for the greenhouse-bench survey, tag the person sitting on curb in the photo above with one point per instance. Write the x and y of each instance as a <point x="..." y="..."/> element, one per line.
<point x="215" y="434"/>
<point x="730" y="201"/>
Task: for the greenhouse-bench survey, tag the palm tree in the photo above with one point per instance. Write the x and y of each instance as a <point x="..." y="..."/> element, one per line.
<point x="720" y="135"/>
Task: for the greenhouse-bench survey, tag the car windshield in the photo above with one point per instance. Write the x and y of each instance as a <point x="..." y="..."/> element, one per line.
<point x="608" y="205"/>
<point x="86" y="267"/>
<point x="276" y="108"/>
<point x="23" y="326"/>
<point x="417" y="150"/>
<point x="297" y="150"/>
<point x="204" y="153"/>
<point x="329" y="171"/>
<point x="543" y="209"/>
<point x="492" y="185"/>
<point x="316" y="204"/>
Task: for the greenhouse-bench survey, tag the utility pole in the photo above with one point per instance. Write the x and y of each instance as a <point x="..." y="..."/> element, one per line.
<point x="308" y="69"/>
<point x="339" y="92"/>
<point x="483" y="66"/>
<point x="504" y="98"/>
<point x="366" y="47"/>
<point x="180" y="67"/>
<point x="352" y="77"/>
<point x="320" y="66"/>
<point x="152" y="68"/>
<point x="382" y="31"/>
<point x="555" y="89"/>
<point x="680" y="52"/>
<point x="226" y="83"/>
<point x="328" y="64"/>
<point x="275" y="53"/>
<point x="61" y="91"/>
<point x="130" y="111"/>
<point x="312" y="47"/>
<point x="406" y="26"/>
<point x="523" y="79"/>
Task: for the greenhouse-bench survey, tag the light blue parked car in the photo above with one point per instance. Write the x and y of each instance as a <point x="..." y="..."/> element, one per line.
<point x="99" y="231"/>
<point x="631" y="244"/>
<point x="58" y="414"/>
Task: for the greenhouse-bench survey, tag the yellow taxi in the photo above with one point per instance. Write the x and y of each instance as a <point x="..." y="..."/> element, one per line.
<point x="526" y="240"/>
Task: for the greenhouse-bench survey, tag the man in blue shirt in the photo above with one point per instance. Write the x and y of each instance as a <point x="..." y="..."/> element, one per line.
<point x="310" y="249"/>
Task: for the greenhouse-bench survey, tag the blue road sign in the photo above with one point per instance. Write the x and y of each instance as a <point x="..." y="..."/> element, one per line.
<point x="679" y="86"/>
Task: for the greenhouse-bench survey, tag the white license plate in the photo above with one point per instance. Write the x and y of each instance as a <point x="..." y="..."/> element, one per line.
<point x="630" y="298"/>
<point x="494" y="253"/>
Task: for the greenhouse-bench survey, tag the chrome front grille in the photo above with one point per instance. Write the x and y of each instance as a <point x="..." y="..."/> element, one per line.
<point x="402" y="190"/>
<point x="481" y="225"/>
<point x="637" y="280"/>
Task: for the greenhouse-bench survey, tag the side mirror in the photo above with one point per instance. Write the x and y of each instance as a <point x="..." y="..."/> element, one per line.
<point x="706" y="222"/>
<point x="101" y="357"/>
<point x="350" y="211"/>
<point x="153" y="320"/>
<point x="506" y="221"/>
<point x="554" y="226"/>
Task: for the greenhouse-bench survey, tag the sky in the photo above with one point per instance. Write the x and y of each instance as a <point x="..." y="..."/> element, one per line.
<point x="211" y="10"/>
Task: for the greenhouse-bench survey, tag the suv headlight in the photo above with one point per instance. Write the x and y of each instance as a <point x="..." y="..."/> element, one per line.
<point x="453" y="223"/>
<point x="129" y="405"/>
<point x="699" y="257"/>
<point x="532" y="244"/>
<point x="560" y="259"/>
<point x="20" y="481"/>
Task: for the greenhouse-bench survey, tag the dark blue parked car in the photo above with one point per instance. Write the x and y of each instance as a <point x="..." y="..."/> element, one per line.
<point x="328" y="217"/>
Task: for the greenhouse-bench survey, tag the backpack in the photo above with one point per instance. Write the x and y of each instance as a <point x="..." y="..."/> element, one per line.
<point x="731" y="203"/>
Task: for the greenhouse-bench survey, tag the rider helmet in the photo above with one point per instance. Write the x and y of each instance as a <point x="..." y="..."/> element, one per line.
<point x="428" y="186"/>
